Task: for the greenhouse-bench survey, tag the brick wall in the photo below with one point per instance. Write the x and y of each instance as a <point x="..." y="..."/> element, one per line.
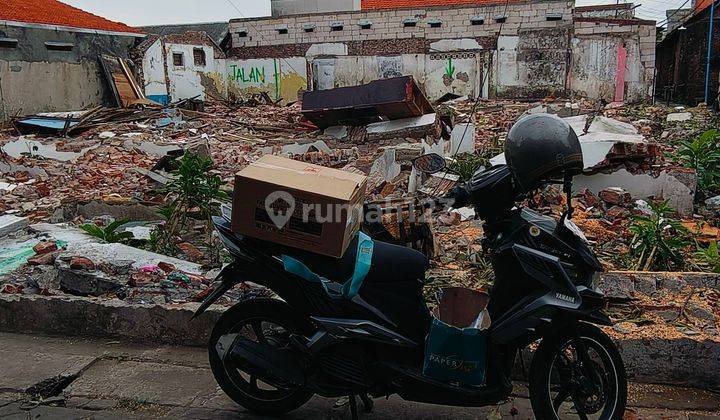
<point x="530" y="55"/>
<point x="389" y="25"/>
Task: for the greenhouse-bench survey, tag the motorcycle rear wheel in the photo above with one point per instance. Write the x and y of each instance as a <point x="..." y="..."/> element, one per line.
<point x="562" y="386"/>
<point x="257" y="319"/>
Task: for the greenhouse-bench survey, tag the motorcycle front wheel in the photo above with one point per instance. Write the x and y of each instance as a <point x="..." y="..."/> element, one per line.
<point x="578" y="374"/>
<point x="262" y="320"/>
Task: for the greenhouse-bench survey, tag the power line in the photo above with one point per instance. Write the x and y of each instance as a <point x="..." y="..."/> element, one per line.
<point x="667" y="19"/>
<point x="478" y="97"/>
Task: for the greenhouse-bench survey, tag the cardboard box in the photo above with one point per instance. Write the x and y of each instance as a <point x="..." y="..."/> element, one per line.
<point x="298" y="204"/>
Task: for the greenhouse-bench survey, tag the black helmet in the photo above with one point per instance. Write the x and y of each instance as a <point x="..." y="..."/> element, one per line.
<point x="541" y="147"/>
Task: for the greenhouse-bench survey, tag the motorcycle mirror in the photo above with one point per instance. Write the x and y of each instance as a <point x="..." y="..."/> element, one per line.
<point x="430" y="163"/>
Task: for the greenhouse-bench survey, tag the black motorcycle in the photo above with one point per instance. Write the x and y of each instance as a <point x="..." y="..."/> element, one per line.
<point x="271" y="355"/>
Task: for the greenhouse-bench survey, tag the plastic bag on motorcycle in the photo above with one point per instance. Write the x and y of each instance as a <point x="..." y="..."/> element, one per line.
<point x="456" y="346"/>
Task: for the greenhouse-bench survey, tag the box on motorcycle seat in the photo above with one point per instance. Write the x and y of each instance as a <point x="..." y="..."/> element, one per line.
<point x="298" y="204"/>
<point x="456" y="346"/>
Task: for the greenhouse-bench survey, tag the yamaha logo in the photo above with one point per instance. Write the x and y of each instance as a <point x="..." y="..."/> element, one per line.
<point x="564" y="298"/>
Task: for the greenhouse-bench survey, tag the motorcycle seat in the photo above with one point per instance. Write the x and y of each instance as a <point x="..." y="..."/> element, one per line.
<point x="390" y="263"/>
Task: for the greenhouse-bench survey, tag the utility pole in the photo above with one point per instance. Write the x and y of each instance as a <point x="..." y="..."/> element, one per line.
<point x="709" y="53"/>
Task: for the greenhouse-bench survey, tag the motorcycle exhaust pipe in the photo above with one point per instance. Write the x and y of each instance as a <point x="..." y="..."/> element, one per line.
<point x="278" y="367"/>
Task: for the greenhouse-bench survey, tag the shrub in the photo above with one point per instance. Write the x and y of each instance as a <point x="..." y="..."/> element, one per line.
<point x="108" y="233"/>
<point x="703" y="155"/>
<point x="659" y="241"/>
<point x="194" y="190"/>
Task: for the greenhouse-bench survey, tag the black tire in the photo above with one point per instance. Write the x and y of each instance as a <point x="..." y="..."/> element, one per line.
<point x="265" y="402"/>
<point x="612" y="374"/>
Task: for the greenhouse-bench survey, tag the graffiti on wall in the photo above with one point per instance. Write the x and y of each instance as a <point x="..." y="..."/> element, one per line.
<point x="247" y="74"/>
<point x="282" y="79"/>
<point x="452" y="72"/>
<point x="452" y="75"/>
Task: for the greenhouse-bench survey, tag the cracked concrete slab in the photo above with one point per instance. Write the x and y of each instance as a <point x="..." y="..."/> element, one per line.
<point x="79" y="243"/>
<point x="23" y="370"/>
<point x="176" y="383"/>
<point x="149" y="382"/>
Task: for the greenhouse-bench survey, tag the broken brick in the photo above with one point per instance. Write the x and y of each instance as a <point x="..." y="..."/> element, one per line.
<point x="45" y="247"/>
<point x="449" y="218"/>
<point x="43" y="259"/>
<point x="11" y="289"/>
<point x="191" y="251"/>
<point x="42" y="190"/>
<point x="82" y="263"/>
<point x="142" y="278"/>
<point x="590" y="199"/>
<point x="166" y="267"/>
<point x="617" y="212"/>
<point x="615" y="196"/>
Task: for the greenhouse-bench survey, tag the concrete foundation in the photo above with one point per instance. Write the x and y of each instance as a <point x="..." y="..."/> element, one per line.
<point x="686" y="361"/>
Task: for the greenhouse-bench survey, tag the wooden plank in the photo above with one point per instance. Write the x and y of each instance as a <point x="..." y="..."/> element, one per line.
<point x="125" y="90"/>
<point x="126" y="70"/>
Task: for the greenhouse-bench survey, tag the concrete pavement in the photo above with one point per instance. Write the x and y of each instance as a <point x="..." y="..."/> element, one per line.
<point x="105" y="379"/>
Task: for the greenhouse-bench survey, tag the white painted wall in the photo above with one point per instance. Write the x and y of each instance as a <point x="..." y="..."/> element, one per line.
<point x="186" y="80"/>
<point x="437" y="74"/>
<point x="154" y="70"/>
<point x="506" y="65"/>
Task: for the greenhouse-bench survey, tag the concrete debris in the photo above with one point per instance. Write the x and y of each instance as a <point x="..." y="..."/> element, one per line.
<point x="385" y="167"/>
<point x="10" y="223"/>
<point x="679" y="117"/>
<point x="33" y="148"/>
<point x="615" y="196"/>
<point x="713" y="204"/>
<point x="112" y="165"/>
<point x="414" y="127"/>
<point x="462" y="139"/>
<point x="337" y="132"/>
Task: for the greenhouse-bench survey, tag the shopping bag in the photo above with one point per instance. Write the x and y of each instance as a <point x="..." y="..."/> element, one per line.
<point x="458" y="352"/>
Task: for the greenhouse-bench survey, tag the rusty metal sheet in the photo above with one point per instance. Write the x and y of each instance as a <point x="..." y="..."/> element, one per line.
<point x="385" y="99"/>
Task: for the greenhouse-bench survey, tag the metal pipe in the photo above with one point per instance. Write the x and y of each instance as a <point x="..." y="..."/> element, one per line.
<point x="709" y="53"/>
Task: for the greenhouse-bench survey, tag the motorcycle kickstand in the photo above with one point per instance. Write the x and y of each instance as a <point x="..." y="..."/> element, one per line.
<point x="368" y="403"/>
<point x="353" y="407"/>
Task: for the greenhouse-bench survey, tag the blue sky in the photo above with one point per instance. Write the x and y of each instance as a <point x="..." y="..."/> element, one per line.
<point x="159" y="12"/>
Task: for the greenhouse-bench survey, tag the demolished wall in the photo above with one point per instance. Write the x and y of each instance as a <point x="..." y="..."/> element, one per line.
<point x="613" y="59"/>
<point x="64" y="75"/>
<point x="521" y="50"/>
<point x="533" y="63"/>
<point x="166" y="80"/>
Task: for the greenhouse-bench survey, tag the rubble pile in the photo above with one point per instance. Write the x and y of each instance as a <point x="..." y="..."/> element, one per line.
<point x="689" y="312"/>
<point x="106" y="165"/>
